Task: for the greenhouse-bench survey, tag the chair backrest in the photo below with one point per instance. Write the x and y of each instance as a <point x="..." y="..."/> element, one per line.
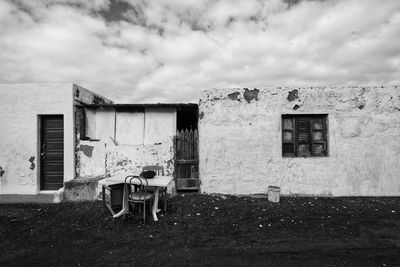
<point x="137" y="184"/>
<point x="159" y="170"/>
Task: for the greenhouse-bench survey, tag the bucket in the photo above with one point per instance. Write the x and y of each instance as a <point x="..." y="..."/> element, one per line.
<point x="274" y="193"/>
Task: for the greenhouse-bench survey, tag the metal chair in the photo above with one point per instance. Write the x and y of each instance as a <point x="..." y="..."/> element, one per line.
<point x="137" y="192"/>
<point x="159" y="170"/>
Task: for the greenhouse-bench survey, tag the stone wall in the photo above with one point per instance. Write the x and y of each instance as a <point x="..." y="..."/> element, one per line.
<point x="241" y="141"/>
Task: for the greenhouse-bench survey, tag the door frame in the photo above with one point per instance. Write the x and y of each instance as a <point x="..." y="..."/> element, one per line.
<point x="39" y="150"/>
<point x="187" y="183"/>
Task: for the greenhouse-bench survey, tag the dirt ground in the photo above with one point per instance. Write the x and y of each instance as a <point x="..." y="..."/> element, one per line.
<point x="205" y="230"/>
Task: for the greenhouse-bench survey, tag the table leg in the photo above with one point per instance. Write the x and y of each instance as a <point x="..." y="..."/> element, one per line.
<point x="125" y="204"/>
<point x="155" y="204"/>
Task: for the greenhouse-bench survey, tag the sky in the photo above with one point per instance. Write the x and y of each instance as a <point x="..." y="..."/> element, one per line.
<point x="167" y="51"/>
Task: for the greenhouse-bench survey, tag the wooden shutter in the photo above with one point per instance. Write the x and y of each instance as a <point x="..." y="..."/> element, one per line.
<point x="303" y="137"/>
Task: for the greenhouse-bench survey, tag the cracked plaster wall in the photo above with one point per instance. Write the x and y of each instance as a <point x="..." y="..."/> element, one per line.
<point x="240" y="141"/>
<point x="19" y="157"/>
<point x="150" y="143"/>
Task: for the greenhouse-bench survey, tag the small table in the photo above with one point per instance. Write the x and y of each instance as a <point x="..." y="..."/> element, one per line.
<point x="158" y="182"/>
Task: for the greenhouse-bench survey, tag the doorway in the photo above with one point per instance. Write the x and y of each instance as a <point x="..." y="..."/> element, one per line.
<point x="186" y="152"/>
<point x="51" y="152"/>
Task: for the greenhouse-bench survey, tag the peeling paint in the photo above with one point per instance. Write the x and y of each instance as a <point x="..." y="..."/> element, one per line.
<point x="296" y="107"/>
<point x="170" y="165"/>
<point x="87" y="150"/>
<point x="98" y="100"/>
<point x="294" y="94"/>
<point x="234" y="96"/>
<point x="31" y="160"/>
<point x="249" y="95"/>
<point x="1" y="172"/>
<point x="124" y="162"/>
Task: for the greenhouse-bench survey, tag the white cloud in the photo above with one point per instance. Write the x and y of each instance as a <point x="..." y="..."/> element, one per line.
<point x="167" y="51"/>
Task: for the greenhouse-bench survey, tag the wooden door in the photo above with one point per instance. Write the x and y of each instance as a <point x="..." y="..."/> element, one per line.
<point x="187" y="160"/>
<point x="51" y="152"/>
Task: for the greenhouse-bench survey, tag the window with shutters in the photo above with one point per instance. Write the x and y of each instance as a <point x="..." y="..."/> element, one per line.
<point x="304" y="136"/>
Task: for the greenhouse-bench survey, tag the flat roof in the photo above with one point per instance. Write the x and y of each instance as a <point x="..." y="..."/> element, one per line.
<point x="158" y="105"/>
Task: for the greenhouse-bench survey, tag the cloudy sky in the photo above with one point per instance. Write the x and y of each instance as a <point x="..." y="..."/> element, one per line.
<point x="166" y="51"/>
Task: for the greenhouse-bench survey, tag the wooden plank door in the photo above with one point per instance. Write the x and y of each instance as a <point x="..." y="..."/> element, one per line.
<point x="187" y="160"/>
<point x="51" y="152"/>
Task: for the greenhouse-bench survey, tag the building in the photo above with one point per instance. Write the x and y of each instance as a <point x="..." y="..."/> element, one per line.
<point x="62" y="136"/>
<point x="117" y="138"/>
<point x="37" y="147"/>
<point x="329" y="141"/>
<point x="62" y="139"/>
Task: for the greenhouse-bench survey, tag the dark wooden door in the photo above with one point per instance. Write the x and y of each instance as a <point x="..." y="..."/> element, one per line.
<point x="187" y="160"/>
<point x="52" y="152"/>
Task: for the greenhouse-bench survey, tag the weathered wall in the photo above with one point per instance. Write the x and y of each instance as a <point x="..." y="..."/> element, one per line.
<point x="141" y="139"/>
<point x="240" y="141"/>
<point x="133" y="158"/>
<point x="19" y="133"/>
<point x="91" y="159"/>
<point x="84" y="96"/>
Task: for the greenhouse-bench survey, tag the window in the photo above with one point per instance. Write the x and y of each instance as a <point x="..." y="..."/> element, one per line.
<point x="304" y="136"/>
<point x="80" y="122"/>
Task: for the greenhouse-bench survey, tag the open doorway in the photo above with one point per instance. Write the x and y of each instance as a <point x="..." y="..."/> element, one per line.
<point x="186" y="153"/>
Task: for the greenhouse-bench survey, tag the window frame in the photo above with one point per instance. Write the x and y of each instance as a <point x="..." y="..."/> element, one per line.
<point x="304" y="121"/>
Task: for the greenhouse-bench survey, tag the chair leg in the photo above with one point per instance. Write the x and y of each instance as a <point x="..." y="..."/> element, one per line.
<point x="144" y="212"/>
<point x="165" y="202"/>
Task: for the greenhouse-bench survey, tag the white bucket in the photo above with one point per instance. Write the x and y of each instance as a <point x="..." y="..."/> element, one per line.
<point x="274" y="193"/>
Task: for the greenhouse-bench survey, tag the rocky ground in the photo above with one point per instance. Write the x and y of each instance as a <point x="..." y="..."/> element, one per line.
<point x="204" y="230"/>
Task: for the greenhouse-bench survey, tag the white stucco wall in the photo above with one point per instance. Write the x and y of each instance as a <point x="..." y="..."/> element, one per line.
<point x="105" y="123"/>
<point x="160" y="125"/>
<point x="129" y="128"/>
<point x="240" y="141"/>
<point x="20" y="106"/>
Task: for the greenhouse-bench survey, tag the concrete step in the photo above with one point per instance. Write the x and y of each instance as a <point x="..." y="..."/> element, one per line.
<point x="48" y="197"/>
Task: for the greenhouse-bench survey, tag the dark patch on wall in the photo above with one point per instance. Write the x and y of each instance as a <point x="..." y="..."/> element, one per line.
<point x="294" y="94"/>
<point x="201" y="116"/>
<point x="234" y="96"/>
<point x="295" y="107"/>
<point x="98" y="100"/>
<point x="87" y="150"/>
<point x="77" y="92"/>
<point x="249" y="95"/>
<point x="31" y="160"/>
<point x="1" y="172"/>
<point x="361" y="106"/>
<point x="123" y="162"/>
<point x="170" y="163"/>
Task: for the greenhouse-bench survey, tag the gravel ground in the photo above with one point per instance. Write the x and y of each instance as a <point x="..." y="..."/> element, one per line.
<point x="206" y="230"/>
